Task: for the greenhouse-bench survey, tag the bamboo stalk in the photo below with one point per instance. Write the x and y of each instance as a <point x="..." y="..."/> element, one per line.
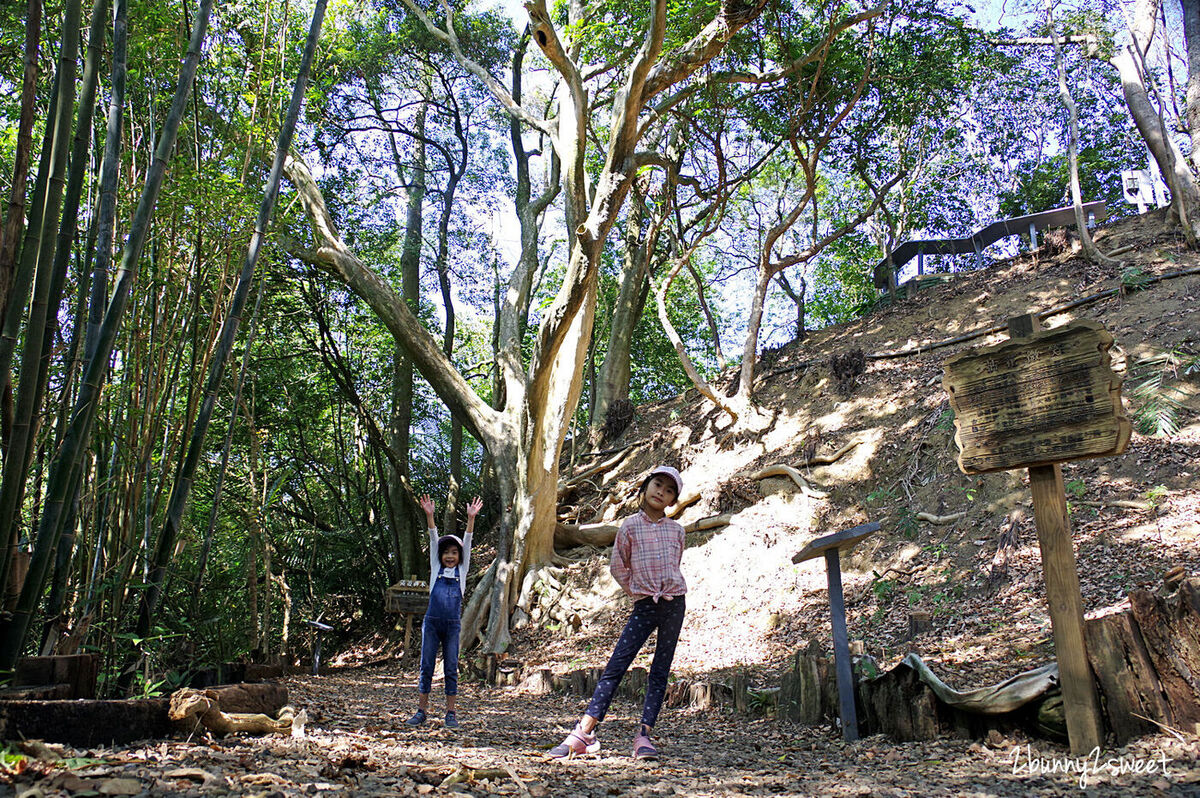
<point x="35" y="273"/>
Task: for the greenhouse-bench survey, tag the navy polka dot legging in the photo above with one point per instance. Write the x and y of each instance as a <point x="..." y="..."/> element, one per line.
<point x="648" y="615"/>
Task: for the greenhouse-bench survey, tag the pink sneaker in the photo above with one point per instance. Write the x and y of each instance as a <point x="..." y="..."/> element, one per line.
<point x="577" y="742"/>
<point x="643" y="748"/>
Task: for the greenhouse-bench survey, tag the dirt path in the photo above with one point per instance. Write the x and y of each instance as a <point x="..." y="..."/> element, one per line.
<point x="357" y="744"/>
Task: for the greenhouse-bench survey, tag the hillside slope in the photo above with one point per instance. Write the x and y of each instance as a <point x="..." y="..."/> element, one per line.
<point x="979" y="576"/>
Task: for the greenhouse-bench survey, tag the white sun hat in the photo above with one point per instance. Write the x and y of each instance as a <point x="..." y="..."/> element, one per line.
<point x="673" y="474"/>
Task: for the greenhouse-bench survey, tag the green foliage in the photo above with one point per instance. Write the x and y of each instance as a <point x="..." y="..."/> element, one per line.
<point x="1133" y="278"/>
<point x="1160" y="400"/>
<point x="1155" y="495"/>
<point x="760" y="702"/>
<point x="1030" y="131"/>
<point x="906" y="524"/>
<point x="883" y="589"/>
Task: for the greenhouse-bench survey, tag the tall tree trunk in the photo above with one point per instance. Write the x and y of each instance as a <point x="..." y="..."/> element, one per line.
<point x="1130" y="65"/>
<point x="402" y="365"/>
<point x="798" y="299"/>
<point x="1191" y="34"/>
<point x="226" y="448"/>
<point x="627" y="311"/>
<point x="525" y="438"/>
<point x="456" y="163"/>
<point x="1090" y="251"/>
<point x="69" y="459"/>
<point x="52" y="262"/>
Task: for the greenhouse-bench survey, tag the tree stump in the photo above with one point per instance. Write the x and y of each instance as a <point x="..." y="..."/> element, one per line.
<point x="901" y="706"/>
<point x="77" y="671"/>
<point x="803" y="690"/>
<point x="539" y="682"/>
<point x="84" y="723"/>
<point x="740" y="701"/>
<point x="919" y="621"/>
<point x="633" y="685"/>
<point x="1125" y="674"/>
<point x="1147" y="661"/>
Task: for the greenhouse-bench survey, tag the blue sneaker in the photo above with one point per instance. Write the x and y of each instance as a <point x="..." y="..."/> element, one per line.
<point x="451" y="721"/>
<point x="417" y="719"/>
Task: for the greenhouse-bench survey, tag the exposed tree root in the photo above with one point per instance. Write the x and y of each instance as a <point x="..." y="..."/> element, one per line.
<point x="687" y="500"/>
<point x="1128" y="504"/>
<point x="784" y="470"/>
<point x="712" y="522"/>
<point x="826" y="459"/>
<point x="476" y="611"/>
<point x="470" y="774"/>
<point x="202" y="709"/>
<point x="569" y="535"/>
<point x="930" y="518"/>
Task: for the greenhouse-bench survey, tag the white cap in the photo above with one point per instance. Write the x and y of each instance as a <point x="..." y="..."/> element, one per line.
<point x="673" y="474"/>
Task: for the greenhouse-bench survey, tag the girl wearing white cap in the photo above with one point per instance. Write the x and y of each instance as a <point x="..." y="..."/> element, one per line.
<point x="645" y="562"/>
<point x="449" y="559"/>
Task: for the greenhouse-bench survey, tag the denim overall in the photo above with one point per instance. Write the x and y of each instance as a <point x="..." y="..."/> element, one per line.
<point x="440" y="630"/>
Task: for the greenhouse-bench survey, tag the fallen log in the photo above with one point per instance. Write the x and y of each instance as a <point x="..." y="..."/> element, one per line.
<point x="92" y="723"/>
<point x="192" y="709"/>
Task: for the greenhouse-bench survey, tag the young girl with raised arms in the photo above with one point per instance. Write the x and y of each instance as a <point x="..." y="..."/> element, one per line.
<point x="449" y="559"/>
<point x="645" y="562"/>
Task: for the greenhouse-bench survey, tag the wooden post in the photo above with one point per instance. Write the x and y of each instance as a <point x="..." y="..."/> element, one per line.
<point x="831" y="546"/>
<point x="1085" y="727"/>
<point x="841" y="648"/>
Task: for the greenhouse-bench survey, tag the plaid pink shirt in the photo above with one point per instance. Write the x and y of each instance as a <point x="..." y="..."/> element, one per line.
<point x="646" y="557"/>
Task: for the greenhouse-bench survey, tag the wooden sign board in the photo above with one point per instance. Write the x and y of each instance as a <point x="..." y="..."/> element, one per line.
<point x="408" y="596"/>
<point x="1047" y="398"/>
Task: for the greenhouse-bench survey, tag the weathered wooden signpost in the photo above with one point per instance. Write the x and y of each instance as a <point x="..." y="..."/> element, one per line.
<point x="408" y="597"/>
<point x="832" y="546"/>
<point x="1042" y="398"/>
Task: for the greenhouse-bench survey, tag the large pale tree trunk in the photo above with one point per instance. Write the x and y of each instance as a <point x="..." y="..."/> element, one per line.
<point x="1090" y="251"/>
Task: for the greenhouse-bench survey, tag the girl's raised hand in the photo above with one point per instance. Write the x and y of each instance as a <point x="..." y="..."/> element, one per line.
<point x="474" y="507"/>
<point x="427" y="505"/>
